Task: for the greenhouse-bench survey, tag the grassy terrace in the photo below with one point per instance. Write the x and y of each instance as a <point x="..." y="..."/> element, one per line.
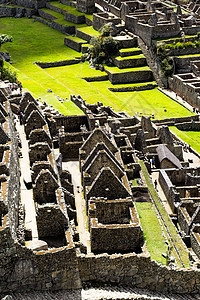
<point x="133" y="84"/>
<point x="48" y="46"/>
<point x="60" y="18"/>
<point x="114" y="70"/>
<point x="177" y="242"/>
<point x="70" y="9"/>
<point x="190" y="137"/>
<point x="129" y="49"/>
<point x="152" y="230"/>
<point x="130" y="57"/>
<point x="173" y="38"/>
<point x="89" y="30"/>
<point x="189" y="55"/>
<point x="76" y="39"/>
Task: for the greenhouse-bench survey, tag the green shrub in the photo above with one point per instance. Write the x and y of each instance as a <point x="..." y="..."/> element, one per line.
<point x="103" y="46"/>
<point x="167" y="66"/>
<point x="4" y="38"/>
<point x="106" y="30"/>
<point x="7" y="73"/>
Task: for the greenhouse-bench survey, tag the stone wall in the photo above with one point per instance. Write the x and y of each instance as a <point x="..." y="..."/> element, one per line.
<point x="24" y="271"/>
<point x="115" y="237"/>
<point x="132" y="76"/>
<point x="103" y="18"/>
<point x="14" y="178"/>
<point x="50" y="221"/>
<point x="71" y="123"/>
<point x="58" y="63"/>
<point x="192" y="126"/>
<point x="173" y="121"/>
<point x="137" y="271"/>
<point x="32" y="3"/>
<point x="67" y="16"/>
<point x="182" y="64"/>
<point x="168" y="189"/>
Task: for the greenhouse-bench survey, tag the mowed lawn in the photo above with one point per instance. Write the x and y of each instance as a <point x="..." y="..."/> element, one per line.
<point x="33" y="41"/>
<point x="192" y="138"/>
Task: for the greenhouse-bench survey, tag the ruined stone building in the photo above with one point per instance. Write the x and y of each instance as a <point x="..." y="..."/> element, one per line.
<point x="42" y="244"/>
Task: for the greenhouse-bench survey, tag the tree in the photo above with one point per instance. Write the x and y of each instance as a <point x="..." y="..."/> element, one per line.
<point x="4" y="38"/>
<point x="103" y="46"/>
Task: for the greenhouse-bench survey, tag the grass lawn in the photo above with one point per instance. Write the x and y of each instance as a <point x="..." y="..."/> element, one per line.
<point x="33" y="41"/>
<point x="152" y="230"/>
<point x="89" y="30"/>
<point x="114" y="70"/>
<point x="192" y="138"/>
<point x="130" y="57"/>
<point x="129" y="49"/>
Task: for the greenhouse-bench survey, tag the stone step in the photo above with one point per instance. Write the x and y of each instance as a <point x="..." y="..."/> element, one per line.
<point x="139" y="86"/>
<point x="70" y="13"/>
<point x="130" y="51"/>
<point x="130" y="61"/>
<point x="58" y="24"/>
<point x="85" y="48"/>
<point x="86" y="33"/>
<point x="129" y="75"/>
<point x="67" y="2"/>
<point x="74" y="42"/>
<point x="126" y="41"/>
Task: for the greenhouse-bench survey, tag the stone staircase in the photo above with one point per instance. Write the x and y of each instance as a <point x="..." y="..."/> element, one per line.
<point x="63" y="17"/>
<point x="130" y="68"/>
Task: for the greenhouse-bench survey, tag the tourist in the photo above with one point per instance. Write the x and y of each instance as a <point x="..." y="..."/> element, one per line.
<point x="153" y="162"/>
<point x="21" y="117"/>
<point x="155" y="184"/>
<point x="20" y="87"/>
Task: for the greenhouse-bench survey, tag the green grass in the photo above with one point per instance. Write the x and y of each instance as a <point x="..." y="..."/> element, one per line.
<point x="60" y="18"/>
<point x="33" y="41"/>
<point x="134" y="84"/>
<point x="70" y="9"/>
<point x="66" y="8"/>
<point x="129" y="49"/>
<point x="76" y="39"/>
<point x="174" y="38"/>
<point x="27" y="47"/>
<point x="189" y="55"/>
<point x="192" y="138"/>
<point x="177" y="241"/>
<point x="130" y="57"/>
<point x="134" y="182"/>
<point x="89" y="30"/>
<point x="152" y="230"/>
<point x="114" y="70"/>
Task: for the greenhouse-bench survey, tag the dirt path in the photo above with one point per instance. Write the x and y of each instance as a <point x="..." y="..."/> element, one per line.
<point x="73" y="168"/>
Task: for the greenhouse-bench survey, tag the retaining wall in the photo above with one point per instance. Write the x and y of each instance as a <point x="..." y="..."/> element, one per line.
<point x="58" y="63"/>
<point x="132" y="76"/>
<point x="137" y="271"/>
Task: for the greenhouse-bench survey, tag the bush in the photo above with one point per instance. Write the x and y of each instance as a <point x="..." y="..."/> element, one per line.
<point x="167" y="66"/>
<point x="106" y="30"/>
<point x="7" y="73"/>
<point x="103" y="46"/>
<point x="4" y="38"/>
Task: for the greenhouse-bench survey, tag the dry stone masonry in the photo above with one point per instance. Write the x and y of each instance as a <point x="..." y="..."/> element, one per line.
<point x="69" y="185"/>
<point x="109" y="146"/>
